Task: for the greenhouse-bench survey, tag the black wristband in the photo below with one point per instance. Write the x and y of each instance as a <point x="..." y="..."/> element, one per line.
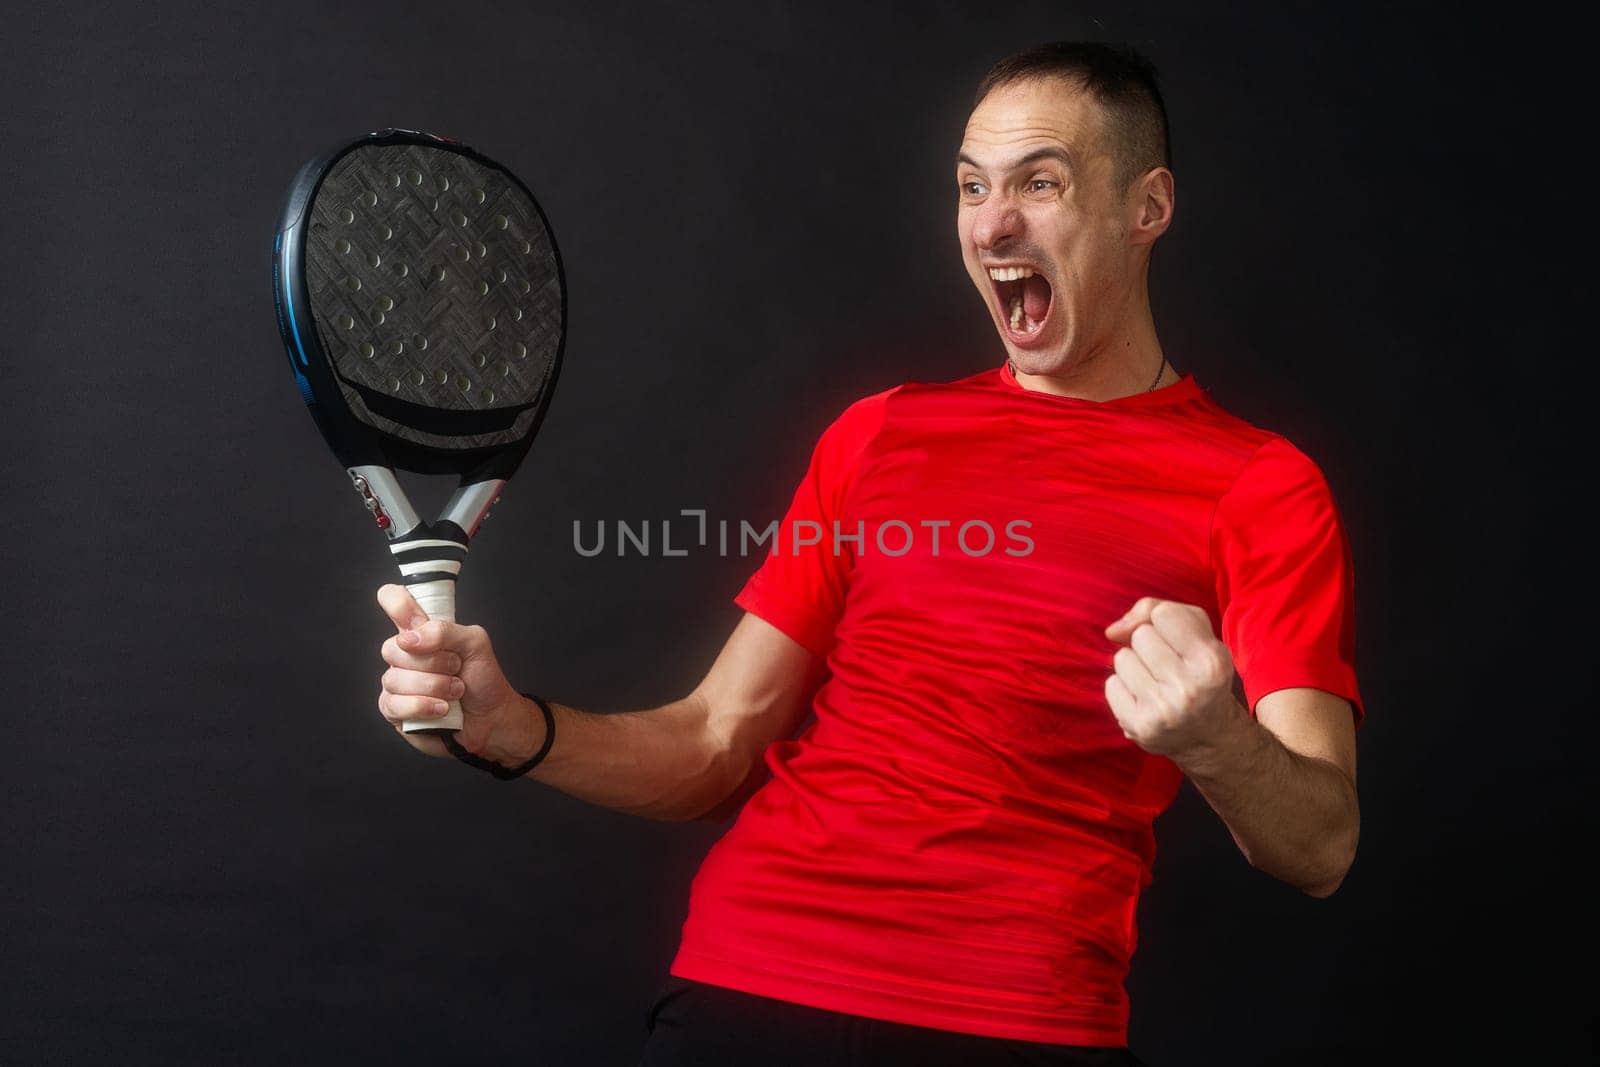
<point x="507" y="774"/>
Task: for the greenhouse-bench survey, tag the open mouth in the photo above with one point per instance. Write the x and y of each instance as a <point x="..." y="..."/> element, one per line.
<point x="1024" y="297"/>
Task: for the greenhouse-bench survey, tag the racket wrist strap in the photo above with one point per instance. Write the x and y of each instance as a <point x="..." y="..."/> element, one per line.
<point x="507" y="774"/>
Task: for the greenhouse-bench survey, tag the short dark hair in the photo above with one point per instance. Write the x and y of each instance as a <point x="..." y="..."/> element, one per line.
<point x="1124" y="83"/>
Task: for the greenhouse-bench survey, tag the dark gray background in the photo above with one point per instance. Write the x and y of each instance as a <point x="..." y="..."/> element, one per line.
<point x="214" y="849"/>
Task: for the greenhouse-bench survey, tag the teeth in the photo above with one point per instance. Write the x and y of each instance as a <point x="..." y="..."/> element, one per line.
<point x="1010" y="274"/>
<point x="1016" y="313"/>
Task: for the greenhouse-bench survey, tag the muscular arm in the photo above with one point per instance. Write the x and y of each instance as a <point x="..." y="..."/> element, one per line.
<point x="1283" y="782"/>
<point x="682" y="760"/>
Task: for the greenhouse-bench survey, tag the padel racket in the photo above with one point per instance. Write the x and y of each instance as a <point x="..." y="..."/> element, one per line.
<point x="421" y="299"/>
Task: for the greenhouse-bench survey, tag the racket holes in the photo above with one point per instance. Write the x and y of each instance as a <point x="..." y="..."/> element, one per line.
<point x="516" y="314"/>
<point x="501" y="275"/>
<point x="386" y="303"/>
<point x="397" y="347"/>
<point x="420" y="343"/>
<point x="444" y="183"/>
<point x="374" y="260"/>
<point x="394" y="181"/>
<point x="414" y="176"/>
<point x="367" y="350"/>
<point x="483" y="250"/>
<point x="521" y="350"/>
<point x="464" y="384"/>
<point x="417" y="378"/>
<point x="437" y="274"/>
<point x="527" y="247"/>
<point x="342" y="246"/>
<point x="435" y="204"/>
<point x="505" y="370"/>
<point x="481" y="360"/>
<point x="346" y="216"/>
<point x="441" y="376"/>
<point x="461" y="252"/>
<point x="353" y="284"/>
<point x="487" y="396"/>
<point x="483" y="288"/>
<point x="402" y="270"/>
<point x="377" y="317"/>
<point x="458" y="217"/>
<point x="478" y="196"/>
<point x="488" y="324"/>
<point x="345" y="321"/>
<point x="502" y="222"/>
<point x="387" y="233"/>
<point x="527" y="287"/>
<point x="369" y="198"/>
<point x="394" y="385"/>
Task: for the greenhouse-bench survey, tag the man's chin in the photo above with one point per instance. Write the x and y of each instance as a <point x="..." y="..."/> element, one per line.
<point x="1042" y="358"/>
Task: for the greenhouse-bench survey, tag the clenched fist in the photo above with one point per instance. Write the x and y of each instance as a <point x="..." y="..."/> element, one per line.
<point x="432" y="662"/>
<point x="1172" y="690"/>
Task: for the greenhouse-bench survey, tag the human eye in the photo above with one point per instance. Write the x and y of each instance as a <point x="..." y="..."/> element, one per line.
<point x="971" y="188"/>
<point x="1041" y="185"/>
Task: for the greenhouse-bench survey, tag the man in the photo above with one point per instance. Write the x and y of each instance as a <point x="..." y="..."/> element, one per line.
<point x="945" y="866"/>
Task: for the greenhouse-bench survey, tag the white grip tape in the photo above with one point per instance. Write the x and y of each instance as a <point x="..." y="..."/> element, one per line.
<point x="438" y="601"/>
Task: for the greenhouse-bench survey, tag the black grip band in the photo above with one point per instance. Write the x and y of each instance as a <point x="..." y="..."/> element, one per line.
<point x="507" y="774"/>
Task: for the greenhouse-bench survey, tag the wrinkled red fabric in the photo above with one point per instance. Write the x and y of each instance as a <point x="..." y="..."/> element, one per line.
<point x="960" y="838"/>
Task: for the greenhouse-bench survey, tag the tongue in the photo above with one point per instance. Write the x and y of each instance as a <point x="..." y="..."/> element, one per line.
<point x="1035" y="297"/>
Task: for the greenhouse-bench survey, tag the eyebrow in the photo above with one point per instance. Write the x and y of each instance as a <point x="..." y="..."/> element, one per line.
<point x="1037" y="154"/>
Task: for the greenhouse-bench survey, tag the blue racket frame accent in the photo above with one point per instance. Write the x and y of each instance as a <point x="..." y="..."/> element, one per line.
<point x="280" y="298"/>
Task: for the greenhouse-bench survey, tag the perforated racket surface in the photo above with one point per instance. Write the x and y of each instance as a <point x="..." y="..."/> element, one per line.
<point x="421" y="300"/>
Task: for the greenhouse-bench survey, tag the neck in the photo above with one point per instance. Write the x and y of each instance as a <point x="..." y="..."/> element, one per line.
<point x="1118" y="365"/>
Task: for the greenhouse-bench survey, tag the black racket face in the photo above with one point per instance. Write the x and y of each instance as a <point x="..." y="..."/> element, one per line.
<point x="431" y="290"/>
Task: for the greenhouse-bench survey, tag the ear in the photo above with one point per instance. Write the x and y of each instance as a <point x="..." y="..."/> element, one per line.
<point x="1151" y="201"/>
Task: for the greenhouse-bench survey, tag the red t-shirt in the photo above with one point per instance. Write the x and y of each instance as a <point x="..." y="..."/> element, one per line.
<point x="960" y="839"/>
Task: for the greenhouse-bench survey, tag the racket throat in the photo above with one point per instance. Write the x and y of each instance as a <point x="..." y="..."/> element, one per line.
<point x="428" y="554"/>
<point x="469" y="505"/>
<point x="391" y="509"/>
<point x="385" y="500"/>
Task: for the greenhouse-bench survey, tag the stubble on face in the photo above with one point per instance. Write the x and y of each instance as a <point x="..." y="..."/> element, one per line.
<point x="1036" y="186"/>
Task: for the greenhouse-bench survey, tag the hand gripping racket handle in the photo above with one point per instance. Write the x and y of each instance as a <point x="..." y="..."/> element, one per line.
<point x="429" y="556"/>
<point x="437" y="599"/>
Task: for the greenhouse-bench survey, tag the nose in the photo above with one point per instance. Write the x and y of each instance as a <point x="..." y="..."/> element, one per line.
<point x="998" y="221"/>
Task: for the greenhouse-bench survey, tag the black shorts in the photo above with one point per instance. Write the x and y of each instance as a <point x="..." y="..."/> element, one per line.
<point x="692" y="1024"/>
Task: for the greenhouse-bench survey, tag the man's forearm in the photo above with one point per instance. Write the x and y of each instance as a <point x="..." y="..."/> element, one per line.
<point x="1294" y="817"/>
<point x="664" y="763"/>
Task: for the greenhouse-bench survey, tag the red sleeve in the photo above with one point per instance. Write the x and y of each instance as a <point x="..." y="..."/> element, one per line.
<point x="801" y="590"/>
<point x="1285" y="583"/>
